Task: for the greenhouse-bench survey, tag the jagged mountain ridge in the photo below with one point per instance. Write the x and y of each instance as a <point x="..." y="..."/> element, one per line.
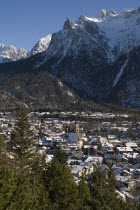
<point x="119" y="31"/>
<point x="10" y="53"/>
<point x="86" y="58"/>
<point x="122" y="30"/>
<point x="114" y="33"/>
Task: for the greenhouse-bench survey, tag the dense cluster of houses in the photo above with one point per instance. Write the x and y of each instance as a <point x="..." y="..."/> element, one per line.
<point x="112" y="143"/>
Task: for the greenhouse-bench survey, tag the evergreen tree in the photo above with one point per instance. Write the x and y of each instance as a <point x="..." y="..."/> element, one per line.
<point x="111" y="179"/>
<point x="18" y="192"/>
<point x="100" y="146"/>
<point x="29" y="195"/>
<point x="84" y="195"/>
<point x="22" y="137"/>
<point x="3" y="153"/>
<point x="38" y="167"/>
<point x="7" y="187"/>
<point x="59" y="182"/>
<point x="40" y="133"/>
<point x="104" y="194"/>
<point x="60" y="155"/>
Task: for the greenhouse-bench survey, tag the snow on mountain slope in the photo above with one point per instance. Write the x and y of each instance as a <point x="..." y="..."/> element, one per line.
<point x="41" y="45"/>
<point x="112" y="33"/>
<point x="85" y="54"/>
<point x="10" y="53"/>
<point x="75" y="38"/>
<point x="109" y="33"/>
<point x="122" y="30"/>
<point x="126" y="91"/>
<point x="120" y="73"/>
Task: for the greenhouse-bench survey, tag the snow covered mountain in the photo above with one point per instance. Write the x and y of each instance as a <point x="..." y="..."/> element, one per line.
<point x="10" y="53"/>
<point x="116" y="33"/>
<point x="98" y="58"/>
<point x="41" y="45"/>
<point x="109" y="32"/>
<point x="122" y="30"/>
<point x="83" y="53"/>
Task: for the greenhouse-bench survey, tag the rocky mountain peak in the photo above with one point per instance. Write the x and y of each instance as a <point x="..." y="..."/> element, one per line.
<point x="11" y="53"/>
<point x="2" y="46"/>
<point x="41" y="45"/>
<point x="68" y="25"/>
<point x="82" y="19"/>
<point x="21" y="53"/>
<point x="106" y="14"/>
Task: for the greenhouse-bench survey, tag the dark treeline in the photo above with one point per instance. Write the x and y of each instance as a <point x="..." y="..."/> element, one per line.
<point x="28" y="182"/>
<point x="79" y="106"/>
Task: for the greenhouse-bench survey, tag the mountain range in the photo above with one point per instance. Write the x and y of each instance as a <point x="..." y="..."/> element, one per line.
<point x="91" y="59"/>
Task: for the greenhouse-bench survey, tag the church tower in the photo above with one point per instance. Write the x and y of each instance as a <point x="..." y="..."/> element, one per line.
<point x="80" y="141"/>
<point x="77" y="128"/>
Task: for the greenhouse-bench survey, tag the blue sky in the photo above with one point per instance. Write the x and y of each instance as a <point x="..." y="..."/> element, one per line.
<point x="24" y="22"/>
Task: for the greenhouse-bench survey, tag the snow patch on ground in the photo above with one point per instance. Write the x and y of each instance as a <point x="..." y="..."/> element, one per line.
<point x="70" y="94"/>
<point x="60" y="83"/>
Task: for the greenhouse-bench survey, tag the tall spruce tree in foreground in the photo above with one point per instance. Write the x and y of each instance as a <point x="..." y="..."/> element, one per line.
<point x="22" y="137"/>
<point x="18" y="188"/>
<point x="59" y="182"/>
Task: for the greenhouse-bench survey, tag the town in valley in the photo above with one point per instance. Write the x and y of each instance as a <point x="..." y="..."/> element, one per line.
<point x="88" y="139"/>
